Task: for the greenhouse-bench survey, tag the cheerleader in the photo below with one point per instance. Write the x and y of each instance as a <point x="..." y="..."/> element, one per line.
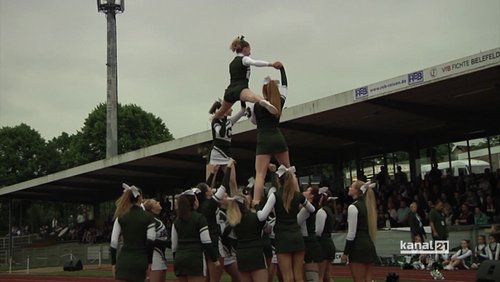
<point x="289" y="243"/>
<point x="239" y="71"/>
<point x="270" y="140"/>
<point x="248" y="229"/>
<point x="191" y="239"/>
<point x="159" y="263"/>
<point x="221" y="144"/>
<point x="208" y="205"/>
<point x="480" y="252"/>
<point x="307" y="222"/>
<point x="359" y="248"/>
<point x="227" y="242"/>
<point x="325" y="221"/>
<point x="138" y="230"/>
<point x="493" y="248"/>
<point x="460" y="259"/>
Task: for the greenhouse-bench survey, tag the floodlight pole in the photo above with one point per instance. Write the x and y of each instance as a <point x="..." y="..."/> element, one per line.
<point x="110" y="8"/>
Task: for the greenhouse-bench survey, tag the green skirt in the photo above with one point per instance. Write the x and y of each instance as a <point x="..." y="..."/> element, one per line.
<point x="327" y="248"/>
<point x="250" y="259"/>
<point x="288" y="242"/>
<point x="363" y="250"/>
<point x="270" y="141"/>
<point x="313" y="252"/>
<point x="131" y="265"/>
<point x="233" y="92"/>
<point x="190" y="262"/>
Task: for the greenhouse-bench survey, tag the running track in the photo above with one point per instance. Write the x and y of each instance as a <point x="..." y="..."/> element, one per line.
<point x="379" y="273"/>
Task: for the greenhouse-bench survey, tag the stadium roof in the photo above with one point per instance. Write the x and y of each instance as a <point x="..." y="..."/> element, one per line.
<point x="450" y="102"/>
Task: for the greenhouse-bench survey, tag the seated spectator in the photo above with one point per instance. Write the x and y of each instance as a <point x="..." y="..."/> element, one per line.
<point x="479" y="217"/>
<point x="493" y="248"/>
<point x="448" y="215"/>
<point x="393" y="213"/>
<point x="480" y="253"/>
<point x="461" y="259"/>
<point x="465" y="217"/>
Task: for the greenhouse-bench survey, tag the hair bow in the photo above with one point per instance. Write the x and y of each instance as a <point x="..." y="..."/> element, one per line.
<point x="242" y="37"/>
<point x="238" y="199"/>
<point x="367" y="185"/>
<point x="323" y="190"/>
<point x="282" y="169"/>
<point x="251" y="182"/>
<point x="331" y="199"/>
<point x="135" y="191"/>
<point x="191" y="192"/>
<point x="266" y="80"/>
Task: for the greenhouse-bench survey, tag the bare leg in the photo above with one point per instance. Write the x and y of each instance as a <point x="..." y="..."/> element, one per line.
<point x="285" y="264"/>
<point x="283" y="158"/>
<point x="261" y="166"/>
<point x="322" y="270"/>
<point x="182" y="278"/>
<point x="259" y="275"/>
<point x="271" y="272"/>
<point x="233" y="185"/>
<point x="326" y="277"/>
<point x="232" y="270"/>
<point x="214" y="272"/>
<point x="311" y="271"/>
<point x="157" y="275"/>
<point x="298" y="266"/>
<point x="358" y="271"/>
<point x="248" y="96"/>
<point x="368" y="274"/>
<point x="245" y="276"/>
<point x="195" y="279"/>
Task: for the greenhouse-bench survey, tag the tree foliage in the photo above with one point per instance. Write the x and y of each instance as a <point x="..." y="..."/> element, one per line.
<point x="22" y="154"/>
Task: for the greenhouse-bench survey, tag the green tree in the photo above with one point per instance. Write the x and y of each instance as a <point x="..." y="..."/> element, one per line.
<point x="22" y="154"/>
<point x="58" y="148"/>
<point x="136" y="129"/>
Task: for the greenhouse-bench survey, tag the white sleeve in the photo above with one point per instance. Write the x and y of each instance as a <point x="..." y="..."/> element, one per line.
<point x="488" y="252"/>
<point x="205" y="236"/>
<point x="264" y="213"/>
<point x="302" y="216"/>
<point x="115" y="234"/>
<point x="174" y="239"/>
<point x="284" y="91"/>
<point x="247" y="61"/>
<point x="309" y="207"/>
<point x="352" y="222"/>
<point x="151" y="232"/>
<point x="465" y="255"/>
<point x="217" y="128"/>
<point x="455" y="255"/>
<point x="234" y="119"/>
<point x="320" y="222"/>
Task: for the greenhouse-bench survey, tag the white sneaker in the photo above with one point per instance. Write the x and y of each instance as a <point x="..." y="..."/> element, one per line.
<point x="269" y="107"/>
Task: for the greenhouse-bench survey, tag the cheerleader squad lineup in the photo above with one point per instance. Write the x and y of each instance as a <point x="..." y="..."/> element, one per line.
<point x="254" y="234"/>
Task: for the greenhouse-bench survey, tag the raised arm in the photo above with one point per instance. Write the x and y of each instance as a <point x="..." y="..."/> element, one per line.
<point x="247" y="61"/>
<point x="224" y="187"/>
<point x="234" y="119"/>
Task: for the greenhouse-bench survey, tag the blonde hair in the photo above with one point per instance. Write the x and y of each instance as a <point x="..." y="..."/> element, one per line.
<point x="371" y="208"/>
<point x="124" y="203"/>
<point x="288" y="189"/>
<point x="271" y="93"/>
<point x="238" y="44"/>
<point x="148" y="204"/>
<point x="234" y="213"/>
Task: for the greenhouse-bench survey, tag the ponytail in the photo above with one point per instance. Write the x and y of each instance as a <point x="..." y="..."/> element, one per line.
<point x="124" y="203"/>
<point x="289" y="189"/>
<point x="371" y="208"/>
<point x="233" y="213"/>
<point x="271" y="93"/>
<point x="238" y="44"/>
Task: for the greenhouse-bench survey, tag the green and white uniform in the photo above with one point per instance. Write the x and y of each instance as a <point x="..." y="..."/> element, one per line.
<point x="307" y="222"/>
<point x="270" y="140"/>
<point x="288" y="236"/>
<point x="160" y="244"/>
<point x="222" y="134"/>
<point x="239" y="71"/>
<point x="190" y="239"/>
<point x="359" y="246"/>
<point x="249" y="248"/>
<point x="138" y="230"/>
<point x="324" y="228"/>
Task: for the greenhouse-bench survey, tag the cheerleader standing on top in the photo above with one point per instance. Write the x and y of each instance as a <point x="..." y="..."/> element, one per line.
<point x="270" y="140"/>
<point x="289" y="243"/>
<point x="239" y="70"/>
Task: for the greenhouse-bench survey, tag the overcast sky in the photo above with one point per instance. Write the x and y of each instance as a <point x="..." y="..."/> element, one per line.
<point x="173" y="55"/>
